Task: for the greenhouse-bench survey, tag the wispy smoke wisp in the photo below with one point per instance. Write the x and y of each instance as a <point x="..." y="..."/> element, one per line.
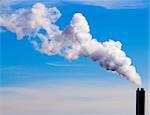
<point x="72" y="42"/>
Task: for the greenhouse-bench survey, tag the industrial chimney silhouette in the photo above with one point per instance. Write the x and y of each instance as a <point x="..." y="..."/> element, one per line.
<point x="140" y="101"/>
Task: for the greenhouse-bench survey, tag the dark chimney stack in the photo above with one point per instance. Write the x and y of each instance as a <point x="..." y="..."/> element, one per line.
<point x="140" y="101"/>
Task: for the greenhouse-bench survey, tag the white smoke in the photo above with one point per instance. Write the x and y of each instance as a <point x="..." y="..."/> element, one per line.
<point x="72" y="42"/>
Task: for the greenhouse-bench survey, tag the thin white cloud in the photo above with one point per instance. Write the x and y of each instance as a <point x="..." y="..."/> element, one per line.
<point x="61" y="64"/>
<point x="5" y="5"/>
<point x="114" y="4"/>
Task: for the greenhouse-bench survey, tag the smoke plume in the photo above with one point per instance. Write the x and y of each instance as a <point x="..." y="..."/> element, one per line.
<point x="72" y="42"/>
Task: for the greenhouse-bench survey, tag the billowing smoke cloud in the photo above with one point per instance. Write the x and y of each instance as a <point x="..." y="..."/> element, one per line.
<point x="72" y="42"/>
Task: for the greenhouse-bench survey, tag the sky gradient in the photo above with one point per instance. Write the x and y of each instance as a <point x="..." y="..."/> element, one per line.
<point x="53" y="85"/>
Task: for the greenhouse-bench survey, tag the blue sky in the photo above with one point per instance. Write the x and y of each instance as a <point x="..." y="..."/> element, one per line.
<point x="130" y="26"/>
<point x="23" y="67"/>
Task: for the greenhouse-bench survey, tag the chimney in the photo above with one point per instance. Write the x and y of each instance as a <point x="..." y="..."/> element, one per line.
<point x="140" y="101"/>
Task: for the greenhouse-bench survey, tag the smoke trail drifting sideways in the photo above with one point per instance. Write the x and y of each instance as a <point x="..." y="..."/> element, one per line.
<point x="72" y="42"/>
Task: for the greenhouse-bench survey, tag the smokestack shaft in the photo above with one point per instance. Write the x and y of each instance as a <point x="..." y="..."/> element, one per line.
<point x="140" y="101"/>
